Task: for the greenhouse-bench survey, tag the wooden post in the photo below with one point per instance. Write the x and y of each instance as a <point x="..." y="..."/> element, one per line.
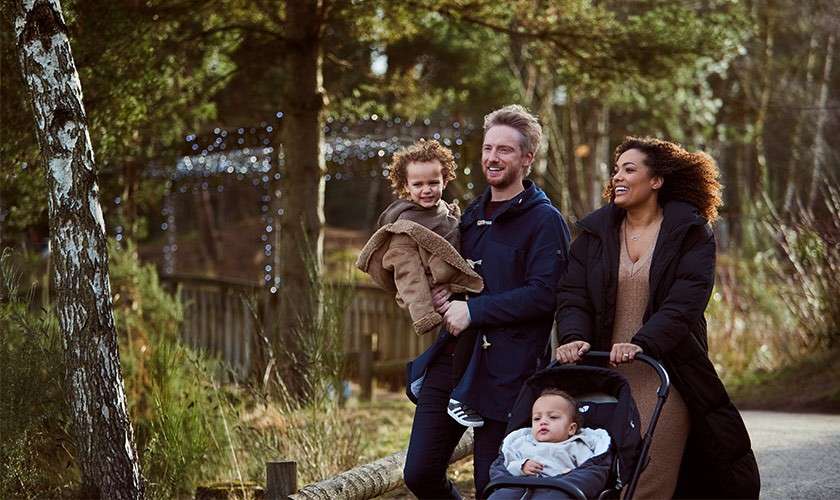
<point x="280" y="480"/>
<point x="366" y="365"/>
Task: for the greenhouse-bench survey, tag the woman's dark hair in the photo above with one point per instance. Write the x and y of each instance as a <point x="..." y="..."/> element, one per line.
<point x="577" y="418"/>
<point x="687" y="176"/>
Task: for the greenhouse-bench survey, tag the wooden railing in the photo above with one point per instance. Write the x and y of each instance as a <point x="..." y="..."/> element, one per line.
<point x="222" y="317"/>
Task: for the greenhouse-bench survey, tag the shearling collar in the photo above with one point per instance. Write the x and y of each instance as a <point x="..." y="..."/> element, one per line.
<point x="442" y="219"/>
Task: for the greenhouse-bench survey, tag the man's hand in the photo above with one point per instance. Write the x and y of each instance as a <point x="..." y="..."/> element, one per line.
<point x="457" y="317"/>
<point x="623" y="353"/>
<point x="531" y="468"/>
<point x="571" y="352"/>
<point x="440" y="298"/>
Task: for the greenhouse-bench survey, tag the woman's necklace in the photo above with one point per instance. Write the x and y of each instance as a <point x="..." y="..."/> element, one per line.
<point x="642" y="231"/>
<point x="633" y="237"/>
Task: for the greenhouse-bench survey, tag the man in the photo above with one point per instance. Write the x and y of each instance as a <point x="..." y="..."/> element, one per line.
<point x="518" y="242"/>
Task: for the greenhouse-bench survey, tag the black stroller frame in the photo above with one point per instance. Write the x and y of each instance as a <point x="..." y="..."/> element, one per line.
<point x="574" y="491"/>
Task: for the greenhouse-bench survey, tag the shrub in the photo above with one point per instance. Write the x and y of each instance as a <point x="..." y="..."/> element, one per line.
<point x="769" y="310"/>
<point x="810" y="265"/>
<point x="306" y="422"/>
<point x="179" y="412"/>
<point x="36" y="449"/>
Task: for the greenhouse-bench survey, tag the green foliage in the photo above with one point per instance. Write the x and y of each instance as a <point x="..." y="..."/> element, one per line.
<point x="305" y="398"/>
<point x="749" y="328"/>
<point x="36" y="449"/>
<point x="179" y="412"/>
<point x="144" y="80"/>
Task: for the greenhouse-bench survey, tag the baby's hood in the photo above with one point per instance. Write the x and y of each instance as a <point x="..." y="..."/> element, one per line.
<point x="597" y="440"/>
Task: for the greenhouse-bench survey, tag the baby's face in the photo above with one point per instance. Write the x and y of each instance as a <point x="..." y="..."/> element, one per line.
<point x="552" y="419"/>
<point x="424" y="181"/>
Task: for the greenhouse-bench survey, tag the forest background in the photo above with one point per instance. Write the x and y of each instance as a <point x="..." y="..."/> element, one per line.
<point x="754" y="83"/>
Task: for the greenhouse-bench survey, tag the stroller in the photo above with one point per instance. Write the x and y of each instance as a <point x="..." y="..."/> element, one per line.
<point x="605" y="401"/>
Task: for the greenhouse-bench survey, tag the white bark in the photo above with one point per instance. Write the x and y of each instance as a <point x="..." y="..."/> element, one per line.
<point x="373" y="479"/>
<point x="104" y="438"/>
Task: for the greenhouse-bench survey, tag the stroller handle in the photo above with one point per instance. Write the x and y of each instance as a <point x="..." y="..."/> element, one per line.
<point x="664" y="379"/>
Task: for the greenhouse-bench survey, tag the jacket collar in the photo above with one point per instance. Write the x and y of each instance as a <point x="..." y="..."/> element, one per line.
<point x="524" y="201"/>
<point x="677" y="215"/>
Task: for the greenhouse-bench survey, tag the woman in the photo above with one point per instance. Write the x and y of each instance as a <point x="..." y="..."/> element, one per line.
<point x="639" y="278"/>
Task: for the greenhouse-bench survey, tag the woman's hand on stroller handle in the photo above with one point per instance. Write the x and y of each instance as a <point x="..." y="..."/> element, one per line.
<point x="571" y="352"/>
<point x="623" y="352"/>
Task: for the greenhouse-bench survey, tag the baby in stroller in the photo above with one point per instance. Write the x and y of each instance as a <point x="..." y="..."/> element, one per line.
<point x="556" y="442"/>
<point x="600" y="461"/>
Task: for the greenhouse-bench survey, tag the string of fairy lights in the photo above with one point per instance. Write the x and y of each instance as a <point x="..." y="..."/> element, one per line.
<point x="352" y="149"/>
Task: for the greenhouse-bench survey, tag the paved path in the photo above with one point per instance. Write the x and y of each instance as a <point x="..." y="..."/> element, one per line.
<point x="798" y="454"/>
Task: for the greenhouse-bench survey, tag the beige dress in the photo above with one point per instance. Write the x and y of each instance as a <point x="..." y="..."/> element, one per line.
<point x="659" y="479"/>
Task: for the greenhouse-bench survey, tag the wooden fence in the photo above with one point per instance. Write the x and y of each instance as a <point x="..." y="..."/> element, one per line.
<point x="224" y="317"/>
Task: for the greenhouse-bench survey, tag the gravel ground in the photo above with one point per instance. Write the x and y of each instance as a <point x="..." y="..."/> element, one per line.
<point x="798" y="454"/>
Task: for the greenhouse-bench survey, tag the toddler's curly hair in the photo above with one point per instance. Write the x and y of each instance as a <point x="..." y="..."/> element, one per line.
<point x="421" y="151"/>
<point x="687" y="176"/>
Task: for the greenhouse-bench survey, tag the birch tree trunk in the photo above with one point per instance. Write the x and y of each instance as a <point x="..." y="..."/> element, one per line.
<point x="302" y="199"/>
<point x="82" y="297"/>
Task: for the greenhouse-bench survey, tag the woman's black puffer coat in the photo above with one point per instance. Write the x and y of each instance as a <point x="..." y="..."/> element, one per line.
<point x="718" y="461"/>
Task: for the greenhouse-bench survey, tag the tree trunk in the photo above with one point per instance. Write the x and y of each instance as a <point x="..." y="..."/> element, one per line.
<point x="800" y="130"/>
<point x="760" y="184"/>
<point x="576" y="193"/>
<point x="131" y="185"/>
<point x="302" y="199"/>
<point x="601" y="155"/>
<point x="820" y="159"/>
<point x="104" y="438"/>
<point x="210" y="237"/>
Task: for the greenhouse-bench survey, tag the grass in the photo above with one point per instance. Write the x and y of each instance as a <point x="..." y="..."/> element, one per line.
<point x="386" y="423"/>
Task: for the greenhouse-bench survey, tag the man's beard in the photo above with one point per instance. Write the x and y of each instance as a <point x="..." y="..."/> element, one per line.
<point x="510" y="175"/>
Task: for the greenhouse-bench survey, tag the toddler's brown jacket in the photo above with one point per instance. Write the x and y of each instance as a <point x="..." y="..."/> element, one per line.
<point x="413" y="250"/>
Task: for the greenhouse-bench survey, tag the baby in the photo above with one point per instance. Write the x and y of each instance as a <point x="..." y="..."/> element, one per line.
<point x="555" y="444"/>
<point x="416" y="248"/>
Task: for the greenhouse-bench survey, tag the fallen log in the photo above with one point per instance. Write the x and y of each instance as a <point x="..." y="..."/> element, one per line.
<point x="373" y="479"/>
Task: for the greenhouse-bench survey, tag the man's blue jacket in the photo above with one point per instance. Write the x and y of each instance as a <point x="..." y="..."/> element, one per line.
<point x="521" y="253"/>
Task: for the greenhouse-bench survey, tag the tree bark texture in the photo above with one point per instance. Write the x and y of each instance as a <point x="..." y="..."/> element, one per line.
<point x="82" y="297"/>
<point x="373" y="479"/>
<point x="302" y="198"/>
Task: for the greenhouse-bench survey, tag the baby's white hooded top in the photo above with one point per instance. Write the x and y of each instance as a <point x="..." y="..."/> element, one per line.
<point x="556" y="458"/>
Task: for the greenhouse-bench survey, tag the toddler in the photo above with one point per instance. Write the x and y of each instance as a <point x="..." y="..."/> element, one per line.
<point x="416" y="248"/>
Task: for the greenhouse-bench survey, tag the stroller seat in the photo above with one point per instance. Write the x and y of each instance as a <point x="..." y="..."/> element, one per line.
<point x="605" y="402"/>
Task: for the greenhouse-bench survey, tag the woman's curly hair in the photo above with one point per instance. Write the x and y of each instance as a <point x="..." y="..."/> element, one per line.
<point x="421" y="151"/>
<point x="687" y="176"/>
